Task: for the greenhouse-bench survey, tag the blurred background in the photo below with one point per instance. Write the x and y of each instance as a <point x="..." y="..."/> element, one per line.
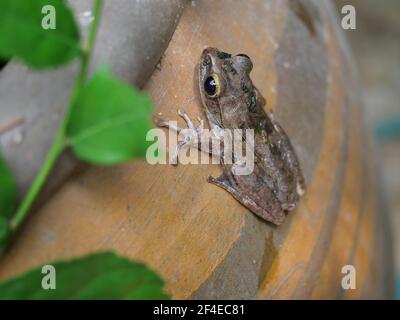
<point x="376" y="50"/>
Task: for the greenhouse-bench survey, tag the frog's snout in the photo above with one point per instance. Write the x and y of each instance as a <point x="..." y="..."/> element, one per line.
<point x="208" y="51"/>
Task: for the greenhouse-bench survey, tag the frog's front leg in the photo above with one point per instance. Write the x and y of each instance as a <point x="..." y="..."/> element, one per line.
<point x="191" y="136"/>
<point x="170" y="125"/>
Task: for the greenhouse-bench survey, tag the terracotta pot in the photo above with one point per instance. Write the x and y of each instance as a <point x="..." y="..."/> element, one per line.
<point x="201" y="240"/>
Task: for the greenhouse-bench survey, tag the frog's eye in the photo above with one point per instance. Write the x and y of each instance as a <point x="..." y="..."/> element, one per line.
<point x="212" y="85"/>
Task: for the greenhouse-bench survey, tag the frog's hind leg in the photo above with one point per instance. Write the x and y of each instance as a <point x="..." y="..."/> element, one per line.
<point x="291" y="155"/>
<point x="223" y="182"/>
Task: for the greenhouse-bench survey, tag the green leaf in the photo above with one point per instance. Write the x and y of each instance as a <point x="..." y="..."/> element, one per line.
<point x="96" y="276"/>
<point x="8" y="195"/>
<point x="109" y="121"/>
<point x="8" y="191"/>
<point x="5" y="232"/>
<point x="22" y="34"/>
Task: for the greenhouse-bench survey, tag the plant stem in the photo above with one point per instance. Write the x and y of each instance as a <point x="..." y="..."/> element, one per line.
<point x="56" y="149"/>
<point x="59" y="141"/>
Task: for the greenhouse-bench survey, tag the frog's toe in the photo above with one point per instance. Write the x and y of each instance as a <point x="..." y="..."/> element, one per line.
<point x="185" y="117"/>
<point x="190" y="123"/>
<point x="166" y="124"/>
<point x="300" y="189"/>
<point x="288" y="207"/>
<point x="200" y="128"/>
<point x="159" y="122"/>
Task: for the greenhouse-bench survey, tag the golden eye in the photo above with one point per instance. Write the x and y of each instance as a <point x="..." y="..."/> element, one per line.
<point x="212" y="85"/>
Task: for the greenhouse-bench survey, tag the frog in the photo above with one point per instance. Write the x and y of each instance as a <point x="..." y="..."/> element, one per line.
<point x="230" y="100"/>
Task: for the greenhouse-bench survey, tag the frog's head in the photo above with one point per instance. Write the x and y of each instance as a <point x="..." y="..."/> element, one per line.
<point x="225" y="86"/>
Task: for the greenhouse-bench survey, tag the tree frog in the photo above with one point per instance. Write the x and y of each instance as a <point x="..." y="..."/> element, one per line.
<point x="231" y="101"/>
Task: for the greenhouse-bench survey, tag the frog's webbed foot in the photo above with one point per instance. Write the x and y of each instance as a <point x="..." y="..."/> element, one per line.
<point x="223" y="182"/>
<point x="189" y="137"/>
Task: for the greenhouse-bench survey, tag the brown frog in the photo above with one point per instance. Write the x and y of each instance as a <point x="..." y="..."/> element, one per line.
<point x="231" y="101"/>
